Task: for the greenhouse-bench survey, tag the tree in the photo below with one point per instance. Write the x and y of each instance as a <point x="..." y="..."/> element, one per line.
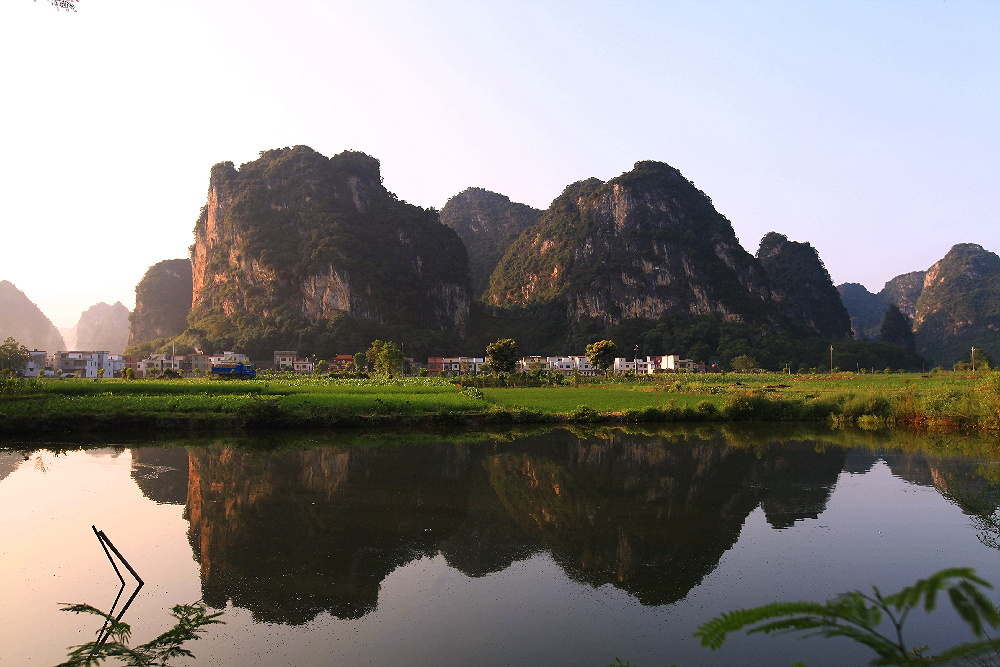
<point x="602" y="354"/>
<point x="744" y="362"/>
<point x="386" y="357"/>
<point x="13" y="355"/>
<point x="503" y="355"/>
<point x="359" y="362"/>
<point x="895" y="329"/>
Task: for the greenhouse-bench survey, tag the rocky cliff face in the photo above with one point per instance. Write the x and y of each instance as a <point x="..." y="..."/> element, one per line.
<point x="21" y="319"/>
<point x="642" y="245"/>
<point x="488" y="223"/>
<point x="802" y="287"/>
<point x="103" y="327"/>
<point x="162" y="301"/>
<point x="295" y="238"/>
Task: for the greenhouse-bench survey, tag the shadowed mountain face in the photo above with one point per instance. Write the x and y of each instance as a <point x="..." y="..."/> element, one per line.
<point x="162" y="301"/>
<point x="488" y="223"/>
<point x="293" y="533"/>
<point x="292" y="241"/>
<point x="802" y="287"/>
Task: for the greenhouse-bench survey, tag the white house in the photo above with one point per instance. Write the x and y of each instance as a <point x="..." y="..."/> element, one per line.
<point x="87" y="363"/>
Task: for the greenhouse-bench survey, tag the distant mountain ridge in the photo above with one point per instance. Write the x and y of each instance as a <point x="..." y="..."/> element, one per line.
<point x="954" y="305"/>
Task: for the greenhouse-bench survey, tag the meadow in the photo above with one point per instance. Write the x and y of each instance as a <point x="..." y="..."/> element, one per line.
<point x="946" y="401"/>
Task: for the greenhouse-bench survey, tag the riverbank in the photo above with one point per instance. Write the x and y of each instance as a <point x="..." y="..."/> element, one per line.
<point x="943" y="402"/>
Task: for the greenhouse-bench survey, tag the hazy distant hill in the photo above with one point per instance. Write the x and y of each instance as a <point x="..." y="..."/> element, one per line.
<point x="953" y="305"/>
<point x="162" y="301"/>
<point x="22" y="319"/>
<point x="488" y="223"/>
<point x="103" y="327"/>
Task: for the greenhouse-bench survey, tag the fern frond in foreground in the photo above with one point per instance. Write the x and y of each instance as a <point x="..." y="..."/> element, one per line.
<point x="191" y="622"/>
<point x="875" y="620"/>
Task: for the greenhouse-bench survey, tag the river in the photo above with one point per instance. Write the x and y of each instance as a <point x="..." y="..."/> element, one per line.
<point x="541" y="547"/>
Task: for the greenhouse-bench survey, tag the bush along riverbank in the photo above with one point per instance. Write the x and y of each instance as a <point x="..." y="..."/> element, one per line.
<point x="934" y="402"/>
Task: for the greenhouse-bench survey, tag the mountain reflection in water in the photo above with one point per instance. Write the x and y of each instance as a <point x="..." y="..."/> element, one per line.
<point x="293" y="533"/>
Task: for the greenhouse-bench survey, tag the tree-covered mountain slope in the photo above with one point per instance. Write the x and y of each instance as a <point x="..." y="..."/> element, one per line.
<point x="488" y="223"/>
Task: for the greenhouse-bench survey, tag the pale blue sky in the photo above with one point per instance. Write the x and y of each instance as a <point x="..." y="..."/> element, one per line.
<point x="871" y="130"/>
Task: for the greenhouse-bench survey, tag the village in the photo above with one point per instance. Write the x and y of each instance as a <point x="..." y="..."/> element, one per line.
<point x="101" y="364"/>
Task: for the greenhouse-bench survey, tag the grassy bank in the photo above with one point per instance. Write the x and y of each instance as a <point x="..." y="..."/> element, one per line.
<point x="937" y="402"/>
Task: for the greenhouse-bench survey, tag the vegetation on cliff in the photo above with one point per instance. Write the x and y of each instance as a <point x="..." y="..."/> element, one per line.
<point x="954" y="305"/>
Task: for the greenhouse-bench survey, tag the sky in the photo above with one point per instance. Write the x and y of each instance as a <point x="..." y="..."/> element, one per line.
<point x="869" y="129"/>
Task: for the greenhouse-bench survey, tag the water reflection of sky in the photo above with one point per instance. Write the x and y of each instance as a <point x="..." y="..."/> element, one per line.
<point x="561" y="594"/>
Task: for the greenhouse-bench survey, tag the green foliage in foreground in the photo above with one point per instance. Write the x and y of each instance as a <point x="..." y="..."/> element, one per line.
<point x="875" y="620"/>
<point x="191" y="622"/>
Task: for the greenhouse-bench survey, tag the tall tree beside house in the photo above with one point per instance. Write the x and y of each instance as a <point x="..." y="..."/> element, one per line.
<point x="503" y="355"/>
<point x="602" y="354"/>
<point x="385" y="357"/>
<point x="13" y="355"/>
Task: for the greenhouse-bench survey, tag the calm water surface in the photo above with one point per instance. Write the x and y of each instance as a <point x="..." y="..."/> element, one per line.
<point x="541" y="548"/>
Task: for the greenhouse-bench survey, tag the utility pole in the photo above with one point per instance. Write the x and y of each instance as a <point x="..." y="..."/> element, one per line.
<point x="973" y="358"/>
<point x="831" y="358"/>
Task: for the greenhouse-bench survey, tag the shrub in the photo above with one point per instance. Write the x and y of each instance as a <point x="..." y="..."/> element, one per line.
<point x="707" y="408"/>
<point x="584" y="413"/>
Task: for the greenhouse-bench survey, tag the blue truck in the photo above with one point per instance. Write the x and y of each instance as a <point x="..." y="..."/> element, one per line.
<point x="235" y="371"/>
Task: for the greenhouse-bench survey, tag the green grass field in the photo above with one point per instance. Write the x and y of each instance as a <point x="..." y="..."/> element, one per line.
<point x="946" y="401"/>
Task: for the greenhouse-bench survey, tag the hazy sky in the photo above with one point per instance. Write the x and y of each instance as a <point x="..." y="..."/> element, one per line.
<point x="870" y="129"/>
